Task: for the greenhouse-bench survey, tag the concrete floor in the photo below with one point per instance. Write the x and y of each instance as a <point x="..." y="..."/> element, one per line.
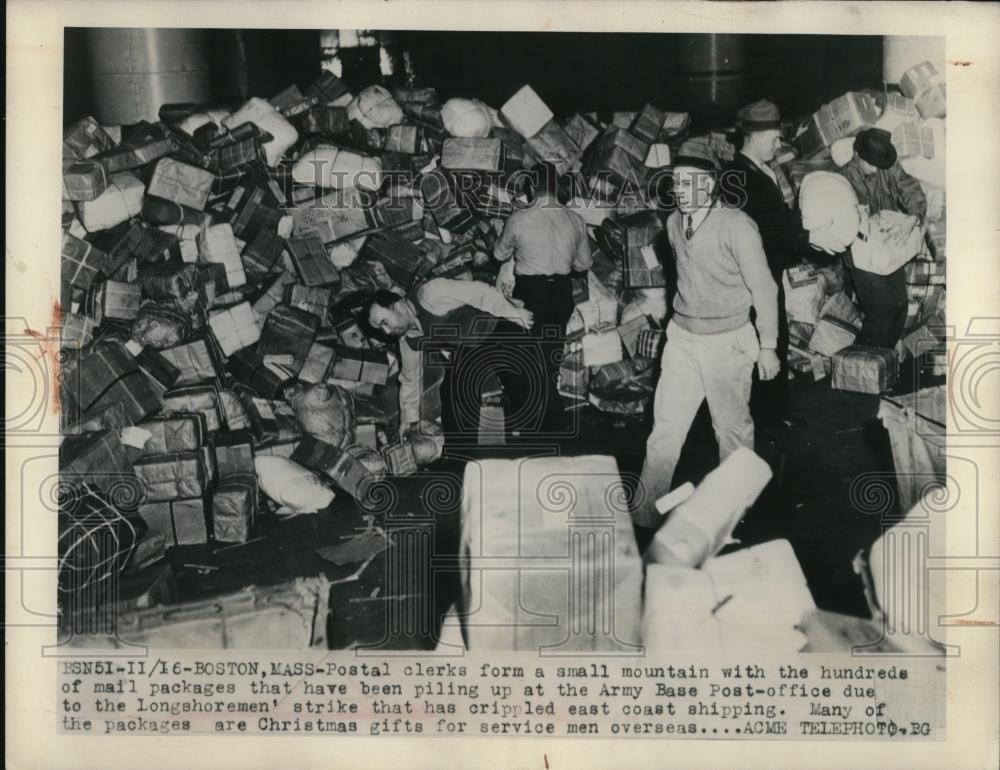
<point x="398" y="600"/>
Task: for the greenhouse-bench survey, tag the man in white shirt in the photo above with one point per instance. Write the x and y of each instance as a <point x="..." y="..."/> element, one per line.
<point x="545" y="243"/>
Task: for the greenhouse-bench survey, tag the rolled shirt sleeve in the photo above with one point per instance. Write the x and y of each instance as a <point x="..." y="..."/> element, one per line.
<point x="410" y="380"/>
<point x="441" y="295"/>
<point x="582" y="257"/>
<point x="748" y="249"/>
<point x="504" y="248"/>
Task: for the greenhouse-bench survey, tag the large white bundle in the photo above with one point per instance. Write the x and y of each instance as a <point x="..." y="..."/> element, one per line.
<point x="261" y="113"/>
<point x="526" y="113"/>
<point x="829" y="209"/>
<point x="747" y="601"/>
<point x="842" y="151"/>
<point x="892" y="242"/>
<point x="466" y="117"/>
<point x="121" y="201"/>
<point x="294" y="488"/>
<point x="548" y="537"/>
<point x="698" y="528"/>
<point x="375" y="108"/>
<point x="336" y="169"/>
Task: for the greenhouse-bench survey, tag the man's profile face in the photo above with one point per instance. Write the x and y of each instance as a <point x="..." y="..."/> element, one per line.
<point x="387" y="320"/>
<point x="867" y="167"/>
<point x="692" y="188"/>
<point x="766" y="143"/>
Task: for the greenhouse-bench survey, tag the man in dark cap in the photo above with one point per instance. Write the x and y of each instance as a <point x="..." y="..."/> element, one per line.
<point x="881" y="184"/>
<point x="712" y="347"/>
<point x="760" y="197"/>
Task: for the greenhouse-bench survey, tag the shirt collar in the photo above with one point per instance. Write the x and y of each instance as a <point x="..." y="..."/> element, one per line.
<point x="698" y="216"/>
<point x="407" y="307"/>
<point x="762" y="166"/>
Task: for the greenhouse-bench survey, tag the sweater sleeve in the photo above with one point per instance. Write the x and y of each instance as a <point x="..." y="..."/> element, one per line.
<point x="744" y="240"/>
<point x="504" y="248"/>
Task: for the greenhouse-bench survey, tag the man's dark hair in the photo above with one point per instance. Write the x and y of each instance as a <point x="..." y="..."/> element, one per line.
<point x="545" y="179"/>
<point x="740" y="138"/>
<point x="381" y="297"/>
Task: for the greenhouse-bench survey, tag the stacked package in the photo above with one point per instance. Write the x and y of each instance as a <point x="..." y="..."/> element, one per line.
<point x="204" y="325"/>
<point x="214" y="262"/>
<point x="822" y="318"/>
<point x="752" y="598"/>
<point x="240" y="260"/>
<point x="843" y="117"/>
<point x="914" y="117"/>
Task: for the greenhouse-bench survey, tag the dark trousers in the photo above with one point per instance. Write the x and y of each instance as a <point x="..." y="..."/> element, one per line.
<point x="769" y="398"/>
<point x="464" y="375"/>
<point x="550" y="299"/>
<point x="883" y="301"/>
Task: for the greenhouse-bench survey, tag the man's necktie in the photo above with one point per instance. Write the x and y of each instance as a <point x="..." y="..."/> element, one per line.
<point x="689" y="229"/>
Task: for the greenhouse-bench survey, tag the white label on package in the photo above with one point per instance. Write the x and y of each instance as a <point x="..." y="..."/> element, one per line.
<point x="649" y="257"/>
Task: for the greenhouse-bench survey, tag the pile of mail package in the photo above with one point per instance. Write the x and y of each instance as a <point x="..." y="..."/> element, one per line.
<point x="214" y="262"/>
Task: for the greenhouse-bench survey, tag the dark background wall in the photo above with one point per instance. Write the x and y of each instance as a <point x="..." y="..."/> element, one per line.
<point x="570" y="71"/>
<point x="243" y="62"/>
<point x="607" y="72"/>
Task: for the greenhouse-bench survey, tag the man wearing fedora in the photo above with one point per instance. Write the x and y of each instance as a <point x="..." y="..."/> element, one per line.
<point x="759" y="196"/>
<point x="712" y="347"/>
<point x="881" y="184"/>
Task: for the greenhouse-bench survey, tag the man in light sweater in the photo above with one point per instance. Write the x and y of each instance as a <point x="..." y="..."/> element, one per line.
<point x="712" y="346"/>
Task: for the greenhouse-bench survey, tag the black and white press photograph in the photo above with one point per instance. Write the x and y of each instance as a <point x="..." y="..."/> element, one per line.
<point x="502" y="385"/>
<point x="627" y="344"/>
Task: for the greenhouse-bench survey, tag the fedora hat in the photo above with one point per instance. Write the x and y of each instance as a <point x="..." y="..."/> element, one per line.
<point x="761" y="115"/>
<point x="697" y="153"/>
<point x="875" y="146"/>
